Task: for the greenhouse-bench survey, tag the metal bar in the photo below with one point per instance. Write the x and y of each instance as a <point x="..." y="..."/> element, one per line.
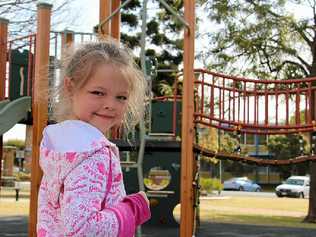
<point x="113" y="14"/>
<point x="238" y="108"/>
<point x="173" y="12"/>
<point x="255" y="104"/>
<point x="266" y="114"/>
<point x="234" y="103"/>
<point x="202" y="95"/>
<point x="297" y="107"/>
<point x="223" y="107"/>
<point x="306" y="111"/>
<point x="287" y="107"/>
<point x="244" y="98"/>
<point x="174" y="111"/>
<point x="285" y="82"/>
<point x="168" y="70"/>
<point x="229" y="102"/>
<point x="212" y="98"/>
<point x="248" y="106"/>
<point x="220" y="104"/>
<point x="276" y="104"/>
<point x="254" y="130"/>
<point x="29" y="68"/>
<point x="310" y="102"/>
<point x="9" y="60"/>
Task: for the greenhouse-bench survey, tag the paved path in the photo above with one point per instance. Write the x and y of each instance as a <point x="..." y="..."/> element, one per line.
<point x="17" y="227"/>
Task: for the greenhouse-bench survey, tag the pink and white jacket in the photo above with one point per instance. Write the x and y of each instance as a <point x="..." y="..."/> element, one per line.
<point x="82" y="191"/>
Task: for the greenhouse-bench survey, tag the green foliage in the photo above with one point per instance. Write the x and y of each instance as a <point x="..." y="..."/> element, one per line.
<point x="285" y="146"/>
<point x="164" y="41"/>
<point x="260" y="38"/>
<point x="16" y="143"/>
<point x="209" y="185"/>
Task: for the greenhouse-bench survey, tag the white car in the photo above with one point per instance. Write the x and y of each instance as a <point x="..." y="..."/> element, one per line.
<point x="294" y="186"/>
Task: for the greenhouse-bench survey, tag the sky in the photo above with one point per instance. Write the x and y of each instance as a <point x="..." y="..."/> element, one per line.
<point x="84" y="15"/>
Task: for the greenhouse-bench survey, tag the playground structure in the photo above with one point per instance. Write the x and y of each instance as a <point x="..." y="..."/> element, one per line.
<point x="42" y="56"/>
<point x="211" y="99"/>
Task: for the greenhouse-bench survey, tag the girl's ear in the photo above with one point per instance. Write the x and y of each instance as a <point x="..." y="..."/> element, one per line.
<point x="68" y="85"/>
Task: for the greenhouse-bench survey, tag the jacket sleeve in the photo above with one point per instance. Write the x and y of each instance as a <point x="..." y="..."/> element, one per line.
<point x="81" y="205"/>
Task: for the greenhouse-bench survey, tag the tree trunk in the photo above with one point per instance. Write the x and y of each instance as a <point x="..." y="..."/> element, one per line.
<point x="311" y="215"/>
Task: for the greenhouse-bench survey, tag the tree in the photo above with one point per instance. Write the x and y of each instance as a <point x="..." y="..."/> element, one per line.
<point x="264" y="39"/>
<point x="284" y="147"/>
<point x="22" y="15"/>
<point x="163" y="42"/>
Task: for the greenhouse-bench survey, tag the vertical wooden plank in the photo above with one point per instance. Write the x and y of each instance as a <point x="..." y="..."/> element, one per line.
<point x="116" y="20"/>
<point x="187" y="159"/>
<point x="67" y="38"/>
<point x="105" y="11"/>
<point x="3" y="60"/>
<point x="40" y="105"/>
<point x="3" y="54"/>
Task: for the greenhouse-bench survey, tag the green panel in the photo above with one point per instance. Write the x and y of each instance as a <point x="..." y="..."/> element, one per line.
<point x="162" y="117"/>
<point x="162" y="211"/>
<point x="13" y="112"/>
<point x="130" y="180"/>
<point x="18" y="71"/>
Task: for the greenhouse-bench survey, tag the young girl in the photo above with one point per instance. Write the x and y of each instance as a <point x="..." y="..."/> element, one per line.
<point x="82" y="191"/>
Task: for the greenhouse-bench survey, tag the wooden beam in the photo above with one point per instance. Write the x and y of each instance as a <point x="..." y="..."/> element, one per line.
<point x="105" y="11"/>
<point x="67" y="38"/>
<point x="3" y="61"/>
<point x="187" y="158"/>
<point x="116" y="20"/>
<point x="3" y="54"/>
<point x="40" y="104"/>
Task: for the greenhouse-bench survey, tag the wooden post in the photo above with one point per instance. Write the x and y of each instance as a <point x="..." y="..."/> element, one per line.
<point x="40" y="104"/>
<point x="3" y="55"/>
<point x="187" y="159"/>
<point x="67" y="38"/>
<point x="105" y="11"/>
<point x="3" y="61"/>
<point x="116" y="20"/>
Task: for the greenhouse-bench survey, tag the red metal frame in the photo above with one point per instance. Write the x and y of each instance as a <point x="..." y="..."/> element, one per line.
<point x="224" y="110"/>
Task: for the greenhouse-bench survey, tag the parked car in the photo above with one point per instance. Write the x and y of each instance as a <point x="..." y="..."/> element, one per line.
<point x="294" y="186"/>
<point x="241" y="184"/>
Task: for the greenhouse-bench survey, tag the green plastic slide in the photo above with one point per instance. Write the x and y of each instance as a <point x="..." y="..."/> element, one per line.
<point x="12" y="112"/>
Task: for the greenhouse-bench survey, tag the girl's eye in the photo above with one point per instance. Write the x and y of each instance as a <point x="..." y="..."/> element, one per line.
<point x="121" y="97"/>
<point x="98" y="93"/>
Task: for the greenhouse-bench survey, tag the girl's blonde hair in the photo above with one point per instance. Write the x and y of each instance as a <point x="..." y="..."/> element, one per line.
<point x="79" y="64"/>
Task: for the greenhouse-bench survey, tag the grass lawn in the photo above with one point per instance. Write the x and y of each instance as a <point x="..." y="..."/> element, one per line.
<point x="255" y="210"/>
<point x="286" y="212"/>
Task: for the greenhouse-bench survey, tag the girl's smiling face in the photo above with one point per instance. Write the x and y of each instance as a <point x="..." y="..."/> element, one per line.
<point x="102" y="101"/>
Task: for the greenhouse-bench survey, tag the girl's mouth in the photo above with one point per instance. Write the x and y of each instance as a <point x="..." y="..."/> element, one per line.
<point x="105" y="116"/>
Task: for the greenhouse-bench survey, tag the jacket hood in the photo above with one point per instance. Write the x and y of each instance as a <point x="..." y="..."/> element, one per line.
<point x="64" y="146"/>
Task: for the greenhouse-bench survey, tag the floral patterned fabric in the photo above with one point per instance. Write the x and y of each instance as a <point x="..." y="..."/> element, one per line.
<point x="82" y="191"/>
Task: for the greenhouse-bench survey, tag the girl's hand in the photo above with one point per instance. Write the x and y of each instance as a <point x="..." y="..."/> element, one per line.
<point x="144" y="196"/>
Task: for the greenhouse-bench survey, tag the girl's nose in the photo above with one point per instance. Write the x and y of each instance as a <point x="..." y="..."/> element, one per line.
<point x="109" y="104"/>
